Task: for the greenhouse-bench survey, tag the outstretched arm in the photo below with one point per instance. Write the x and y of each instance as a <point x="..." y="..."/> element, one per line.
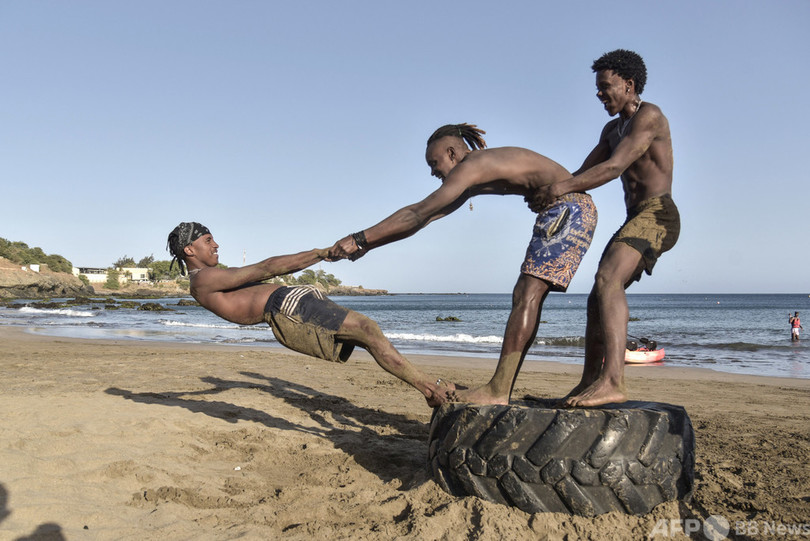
<point x="212" y="279"/>
<point x="406" y="221"/>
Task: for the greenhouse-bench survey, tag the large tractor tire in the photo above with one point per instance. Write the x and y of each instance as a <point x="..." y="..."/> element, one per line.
<point x="621" y="457"/>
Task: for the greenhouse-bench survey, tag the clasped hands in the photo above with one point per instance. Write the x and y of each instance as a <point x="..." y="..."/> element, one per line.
<point x="543" y="197"/>
<point x="345" y="248"/>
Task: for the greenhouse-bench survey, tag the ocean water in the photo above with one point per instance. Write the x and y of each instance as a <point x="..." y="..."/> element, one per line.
<point x="747" y="334"/>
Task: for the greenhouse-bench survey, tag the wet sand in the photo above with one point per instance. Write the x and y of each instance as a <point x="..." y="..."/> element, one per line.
<point x="146" y="440"/>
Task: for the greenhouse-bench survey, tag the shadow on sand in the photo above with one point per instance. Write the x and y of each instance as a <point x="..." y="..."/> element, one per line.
<point x="391" y="456"/>
<point x="47" y="531"/>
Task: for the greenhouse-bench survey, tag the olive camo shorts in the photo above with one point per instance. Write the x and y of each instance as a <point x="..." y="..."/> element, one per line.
<point x="305" y="321"/>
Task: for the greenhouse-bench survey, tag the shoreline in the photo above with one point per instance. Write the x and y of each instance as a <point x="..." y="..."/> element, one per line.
<point x="451" y="362"/>
<point x="122" y="439"/>
<point x="533" y="364"/>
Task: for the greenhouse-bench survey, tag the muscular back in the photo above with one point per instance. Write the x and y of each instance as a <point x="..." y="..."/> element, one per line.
<point x="505" y="170"/>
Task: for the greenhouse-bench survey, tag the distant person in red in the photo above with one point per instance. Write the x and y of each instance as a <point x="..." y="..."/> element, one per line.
<point x="795" y="325"/>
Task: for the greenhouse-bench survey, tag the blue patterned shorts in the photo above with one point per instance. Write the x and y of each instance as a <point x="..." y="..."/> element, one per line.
<point x="562" y="234"/>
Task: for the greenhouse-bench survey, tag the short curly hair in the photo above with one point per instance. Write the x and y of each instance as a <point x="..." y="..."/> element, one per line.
<point x="626" y="64"/>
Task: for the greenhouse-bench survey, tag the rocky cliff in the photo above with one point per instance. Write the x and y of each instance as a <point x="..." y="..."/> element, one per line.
<point x="353" y="291"/>
<point x="28" y="284"/>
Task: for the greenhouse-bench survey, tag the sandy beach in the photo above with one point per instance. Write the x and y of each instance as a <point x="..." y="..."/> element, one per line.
<point x="146" y="440"/>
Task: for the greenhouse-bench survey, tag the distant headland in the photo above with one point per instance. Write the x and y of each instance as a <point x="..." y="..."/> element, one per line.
<point x="38" y="281"/>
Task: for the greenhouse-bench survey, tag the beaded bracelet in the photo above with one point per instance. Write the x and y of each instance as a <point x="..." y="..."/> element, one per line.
<point x="360" y="240"/>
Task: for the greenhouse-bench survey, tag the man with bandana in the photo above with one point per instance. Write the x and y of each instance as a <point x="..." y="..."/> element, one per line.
<point x="301" y="317"/>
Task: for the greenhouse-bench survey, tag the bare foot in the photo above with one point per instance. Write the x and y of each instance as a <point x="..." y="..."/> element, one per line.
<point x="563" y="402"/>
<point x="600" y="392"/>
<point x="480" y="395"/>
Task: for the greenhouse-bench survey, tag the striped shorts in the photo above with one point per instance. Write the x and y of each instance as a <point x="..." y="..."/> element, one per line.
<point x="305" y="321"/>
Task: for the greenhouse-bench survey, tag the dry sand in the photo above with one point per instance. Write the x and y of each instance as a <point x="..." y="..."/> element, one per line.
<point x="141" y="440"/>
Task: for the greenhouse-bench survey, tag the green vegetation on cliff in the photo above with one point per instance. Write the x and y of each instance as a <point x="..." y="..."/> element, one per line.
<point x="159" y="270"/>
<point x="307" y="277"/>
<point x="19" y="252"/>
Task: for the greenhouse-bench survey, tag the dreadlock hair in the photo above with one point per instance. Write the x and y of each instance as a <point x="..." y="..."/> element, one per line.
<point x="180" y="237"/>
<point x="626" y="64"/>
<point x="469" y="133"/>
<point x="173" y="245"/>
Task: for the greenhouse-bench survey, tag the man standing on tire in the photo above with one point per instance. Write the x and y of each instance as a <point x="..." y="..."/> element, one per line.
<point x="562" y="233"/>
<point x="636" y="146"/>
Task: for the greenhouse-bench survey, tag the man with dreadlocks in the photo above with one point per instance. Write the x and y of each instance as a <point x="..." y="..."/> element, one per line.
<point x="636" y="146"/>
<point x="301" y="317"/>
<point x="562" y="233"/>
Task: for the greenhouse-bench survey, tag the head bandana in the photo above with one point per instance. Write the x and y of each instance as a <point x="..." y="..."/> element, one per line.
<point x="180" y="237"/>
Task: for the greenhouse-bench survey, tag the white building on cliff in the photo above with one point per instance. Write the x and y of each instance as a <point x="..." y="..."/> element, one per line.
<point x="125" y="274"/>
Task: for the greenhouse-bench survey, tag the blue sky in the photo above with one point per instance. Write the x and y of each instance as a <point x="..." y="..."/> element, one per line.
<point x="284" y="126"/>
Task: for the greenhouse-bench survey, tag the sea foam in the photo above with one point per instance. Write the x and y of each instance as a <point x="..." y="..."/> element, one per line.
<point x="56" y="311"/>
<point x="460" y="338"/>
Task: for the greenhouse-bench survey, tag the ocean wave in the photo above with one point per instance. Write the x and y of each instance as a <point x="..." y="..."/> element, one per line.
<point x="56" y="311"/>
<point x="461" y="338"/>
<point x="577" y="341"/>
<point x="173" y="323"/>
<point x="457" y="338"/>
<point x="245" y="340"/>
